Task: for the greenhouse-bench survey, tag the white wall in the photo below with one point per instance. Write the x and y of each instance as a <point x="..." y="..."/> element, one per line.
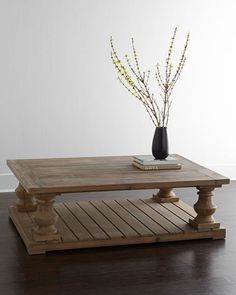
<point x="59" y="96"/>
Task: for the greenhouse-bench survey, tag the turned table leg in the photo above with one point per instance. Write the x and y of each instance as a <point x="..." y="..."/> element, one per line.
<point x="25" y="202"/>
<point x="205" y="209"/>
<point x="165" y="195"/>
<point x="45" y="219"/>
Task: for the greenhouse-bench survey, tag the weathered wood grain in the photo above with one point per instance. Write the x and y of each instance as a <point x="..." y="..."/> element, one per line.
<point x="106" y="173"/>
<point x="106" y="223"/>
<point x="160" y="223"/>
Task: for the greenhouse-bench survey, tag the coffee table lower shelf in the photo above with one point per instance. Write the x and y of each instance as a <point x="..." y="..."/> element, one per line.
<point x="88" y="224"/>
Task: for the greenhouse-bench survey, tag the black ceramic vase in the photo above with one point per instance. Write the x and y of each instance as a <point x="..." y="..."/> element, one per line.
<point x="160" y="149"/>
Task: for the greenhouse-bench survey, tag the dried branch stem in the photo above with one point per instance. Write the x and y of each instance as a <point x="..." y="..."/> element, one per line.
<point x="136" y="81"/>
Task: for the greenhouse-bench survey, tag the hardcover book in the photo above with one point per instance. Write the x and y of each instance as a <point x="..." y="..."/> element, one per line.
<point x="157" y="167"/>
<point x="150" y="160"/>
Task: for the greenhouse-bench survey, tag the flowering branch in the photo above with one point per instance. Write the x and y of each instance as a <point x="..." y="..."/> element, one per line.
<point x="136" y="81"/>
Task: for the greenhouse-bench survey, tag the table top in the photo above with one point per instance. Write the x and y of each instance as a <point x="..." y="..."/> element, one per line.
<point x="64" y="175"/>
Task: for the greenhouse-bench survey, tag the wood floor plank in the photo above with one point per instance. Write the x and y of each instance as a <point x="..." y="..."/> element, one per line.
<point x="115" y="219"/>
<point x="170" y="216"/>
<point x="87" y="221"/>
<point x="177" y="211"/>
<point x="69" y="219"/>
<point x="162" y="221"/>
<point x="185" y="207"/>
<point x="105" y="224"/>
<point x="142" y="217"/>
<point x="130" y="219"/>
<point x="67" y="235"/>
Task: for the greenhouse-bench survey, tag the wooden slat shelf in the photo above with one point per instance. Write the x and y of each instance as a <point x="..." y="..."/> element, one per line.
<point x="88" y="224"/>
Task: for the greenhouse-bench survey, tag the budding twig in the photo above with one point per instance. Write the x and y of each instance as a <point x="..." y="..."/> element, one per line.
<point x="136" y="81"/>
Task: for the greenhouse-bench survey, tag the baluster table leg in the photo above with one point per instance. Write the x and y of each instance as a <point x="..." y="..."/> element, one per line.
<point x="165" y="195"/>
<point x="25" y="201"/>
<point x="205" y="209"/>
<point x="45" y="219"/>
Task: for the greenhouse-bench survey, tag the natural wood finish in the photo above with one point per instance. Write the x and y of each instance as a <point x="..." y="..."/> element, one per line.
<point x="170" y="216"/>
<point x="140" y="228"/>
<point x="177" y="211"/>
<point x="105" y="224"/>
<point x="147" y="211"/>
<point x="156" y="216"/>
<point x="72" y="222"/>
<point x="152" y="225"/>
<point x="106" y="173"/>
<point x="117" y="222"/>
<point x="186" y="208"/>
<point x="165" y="195"/>
<point x="25" y="202"/>
<point x="203" y="267"/>
<point x="96" y="232"/>
<point x="205" y="209"/>
<point x="45" y="219"/>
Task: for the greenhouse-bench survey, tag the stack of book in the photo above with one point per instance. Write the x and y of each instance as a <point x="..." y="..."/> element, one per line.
<point x="148" y="162"/>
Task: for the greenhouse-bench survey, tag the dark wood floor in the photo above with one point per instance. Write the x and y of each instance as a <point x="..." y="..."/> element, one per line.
<point x="194" y="267"/>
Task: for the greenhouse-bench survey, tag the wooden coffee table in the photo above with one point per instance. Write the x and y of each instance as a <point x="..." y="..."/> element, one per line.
<point x="45" y="225"/>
